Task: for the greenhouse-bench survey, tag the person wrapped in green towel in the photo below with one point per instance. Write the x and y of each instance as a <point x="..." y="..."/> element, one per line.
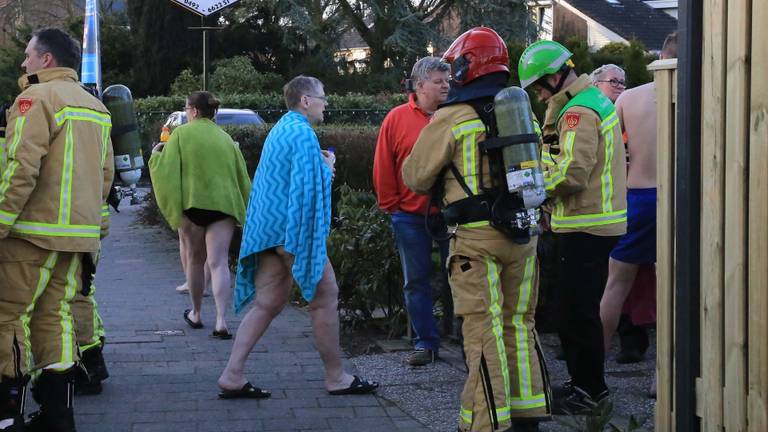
<point x="202" y="185"/>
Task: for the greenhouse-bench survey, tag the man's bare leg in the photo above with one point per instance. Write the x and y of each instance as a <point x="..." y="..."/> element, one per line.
<point x="324" y="310"/>
<point x="621" y="277"/>
<point x="274" y="283"/>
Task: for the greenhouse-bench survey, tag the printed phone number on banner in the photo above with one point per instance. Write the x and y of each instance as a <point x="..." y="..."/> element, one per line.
<point x="218" y="5"/>
<point x="190" y="4"/>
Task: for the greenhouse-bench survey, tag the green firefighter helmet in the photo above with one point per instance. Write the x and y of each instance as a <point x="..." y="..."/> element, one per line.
<point x="541" y="58"/>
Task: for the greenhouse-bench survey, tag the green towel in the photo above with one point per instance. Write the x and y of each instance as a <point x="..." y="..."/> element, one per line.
<point x="201" y="167"/>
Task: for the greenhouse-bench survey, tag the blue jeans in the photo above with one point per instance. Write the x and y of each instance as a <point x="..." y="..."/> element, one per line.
<point x="414" y="245"/>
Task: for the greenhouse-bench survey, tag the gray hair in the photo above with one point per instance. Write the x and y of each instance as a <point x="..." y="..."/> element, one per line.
<point x="602" y="70"/>
<point x="298" y="87"/>
<point x="425" y="65"/>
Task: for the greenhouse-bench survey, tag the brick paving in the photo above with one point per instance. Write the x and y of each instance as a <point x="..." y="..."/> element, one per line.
<point x="163" y="374"/>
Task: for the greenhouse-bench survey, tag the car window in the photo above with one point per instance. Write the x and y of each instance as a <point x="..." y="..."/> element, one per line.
<point x="238" y="119"/>
<point x="243" y="117"/>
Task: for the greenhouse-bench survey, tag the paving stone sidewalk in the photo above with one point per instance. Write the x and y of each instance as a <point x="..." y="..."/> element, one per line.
<point x="163" y="374"/>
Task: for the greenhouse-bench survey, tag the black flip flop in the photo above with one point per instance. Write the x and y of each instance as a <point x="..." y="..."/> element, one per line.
<point x="358" y="386"/>
<point x="248" y="391"/>
<point x="221" y="334"/>
<point x="194" y="325"/>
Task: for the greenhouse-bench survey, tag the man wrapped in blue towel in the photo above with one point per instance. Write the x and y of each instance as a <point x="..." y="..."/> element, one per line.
<point x="286" y="226"/>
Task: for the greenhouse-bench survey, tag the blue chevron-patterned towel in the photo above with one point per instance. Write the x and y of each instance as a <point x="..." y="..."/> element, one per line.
<point x="290" y="205"/>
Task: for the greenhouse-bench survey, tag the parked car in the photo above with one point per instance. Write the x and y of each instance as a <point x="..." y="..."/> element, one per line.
<point x="225" y="116"/>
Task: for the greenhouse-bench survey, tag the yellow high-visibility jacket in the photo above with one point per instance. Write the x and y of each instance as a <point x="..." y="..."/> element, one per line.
<point x="585" y="165"/>
<point x="451" y="136"/>
<point x="56" y="164"/>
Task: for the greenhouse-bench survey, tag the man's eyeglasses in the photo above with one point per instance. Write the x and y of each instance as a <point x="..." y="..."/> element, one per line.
<point x="322" y="98"/>
<point x="615" y="83"/>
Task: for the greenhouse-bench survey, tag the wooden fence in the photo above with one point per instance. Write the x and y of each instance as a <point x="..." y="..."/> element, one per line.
<point x="732" y="386"/>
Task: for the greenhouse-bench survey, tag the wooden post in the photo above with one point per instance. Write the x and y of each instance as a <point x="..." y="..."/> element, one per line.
<point x="664" y="73"/>
<point x="710" y="395"/>
<point x="737" y="132"/>
<point x="758" y="221"/>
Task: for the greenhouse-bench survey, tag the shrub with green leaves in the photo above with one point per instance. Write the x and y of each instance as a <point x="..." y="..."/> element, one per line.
<point x="599" y="418"/>
<point x="234" y="75"/>
<point x="362" y="250"/>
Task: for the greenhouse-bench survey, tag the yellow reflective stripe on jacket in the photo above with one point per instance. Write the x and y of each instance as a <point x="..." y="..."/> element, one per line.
<point x="551" y="180"/>
<point x="497" y="322"/>
<point x="7" y="218"/>
<point x="466" y="132"/>
<point x="609" y="122"/>
<point x="45" y="276"/>
<point x="537" y="128"/>
<point x="588" y="220"/>
<point x="56" y="230"/>
<point x="521" y="330"/>
<point x="65" y="194"/>
<point x="502" y="414"/>
<point x="467" y="128"/>
<point x="104" y="143"/>
<point x="535" y="401"/>
<point x="104" y="210"/>
<point x="469" y="170"/>
<point x="606" y="178"/>
<point x="10" y="168"/>
<point x="465" y="415"/>
<point x="65" y="313"/>
<point x="82" y="114"/>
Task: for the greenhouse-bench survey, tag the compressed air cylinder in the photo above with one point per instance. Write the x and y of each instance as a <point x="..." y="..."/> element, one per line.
<point x="125" y="134"/>
<point x="521" y="161"/>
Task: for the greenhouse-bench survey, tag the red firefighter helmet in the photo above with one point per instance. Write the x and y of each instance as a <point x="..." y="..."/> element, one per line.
<point x="479" y="51"/>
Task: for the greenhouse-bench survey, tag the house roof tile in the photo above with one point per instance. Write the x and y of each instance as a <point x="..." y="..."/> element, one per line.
<point x="629" y="19"/>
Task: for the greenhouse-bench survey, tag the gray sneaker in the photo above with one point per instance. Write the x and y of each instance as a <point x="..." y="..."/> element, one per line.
<point x="421" y="357"/>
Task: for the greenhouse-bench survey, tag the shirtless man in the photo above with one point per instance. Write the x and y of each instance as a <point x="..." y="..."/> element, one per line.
<point x="636" y="109"/>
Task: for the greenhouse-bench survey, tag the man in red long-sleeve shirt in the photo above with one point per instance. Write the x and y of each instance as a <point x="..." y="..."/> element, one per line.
<point x="399" y="131"/>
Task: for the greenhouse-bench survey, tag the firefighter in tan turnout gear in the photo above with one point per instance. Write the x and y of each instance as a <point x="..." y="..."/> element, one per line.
<point x="492" y="264"/>
<point x="55" y="173"/>
<point x="585" y="177"/>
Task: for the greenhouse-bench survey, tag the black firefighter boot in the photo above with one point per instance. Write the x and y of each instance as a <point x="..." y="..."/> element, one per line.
<point x="53" y="391"/>
<point x="88" y="380"/>
<point x="12" y="395"/>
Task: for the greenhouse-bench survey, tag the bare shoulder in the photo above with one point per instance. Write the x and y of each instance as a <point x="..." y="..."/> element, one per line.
<point x="640" y="92"/>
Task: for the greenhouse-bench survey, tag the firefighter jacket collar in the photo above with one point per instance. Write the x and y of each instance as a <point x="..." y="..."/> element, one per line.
<point x="45" y="75"/>
<point x="556" y="103"/>
<point x="485" y="86"/>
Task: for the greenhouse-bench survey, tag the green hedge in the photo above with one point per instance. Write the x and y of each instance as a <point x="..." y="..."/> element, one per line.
<point x="362" y="249"/>
<point x="274" y="101"/>
<point x="354" y="146"/>
<point x="152" y="112"/>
